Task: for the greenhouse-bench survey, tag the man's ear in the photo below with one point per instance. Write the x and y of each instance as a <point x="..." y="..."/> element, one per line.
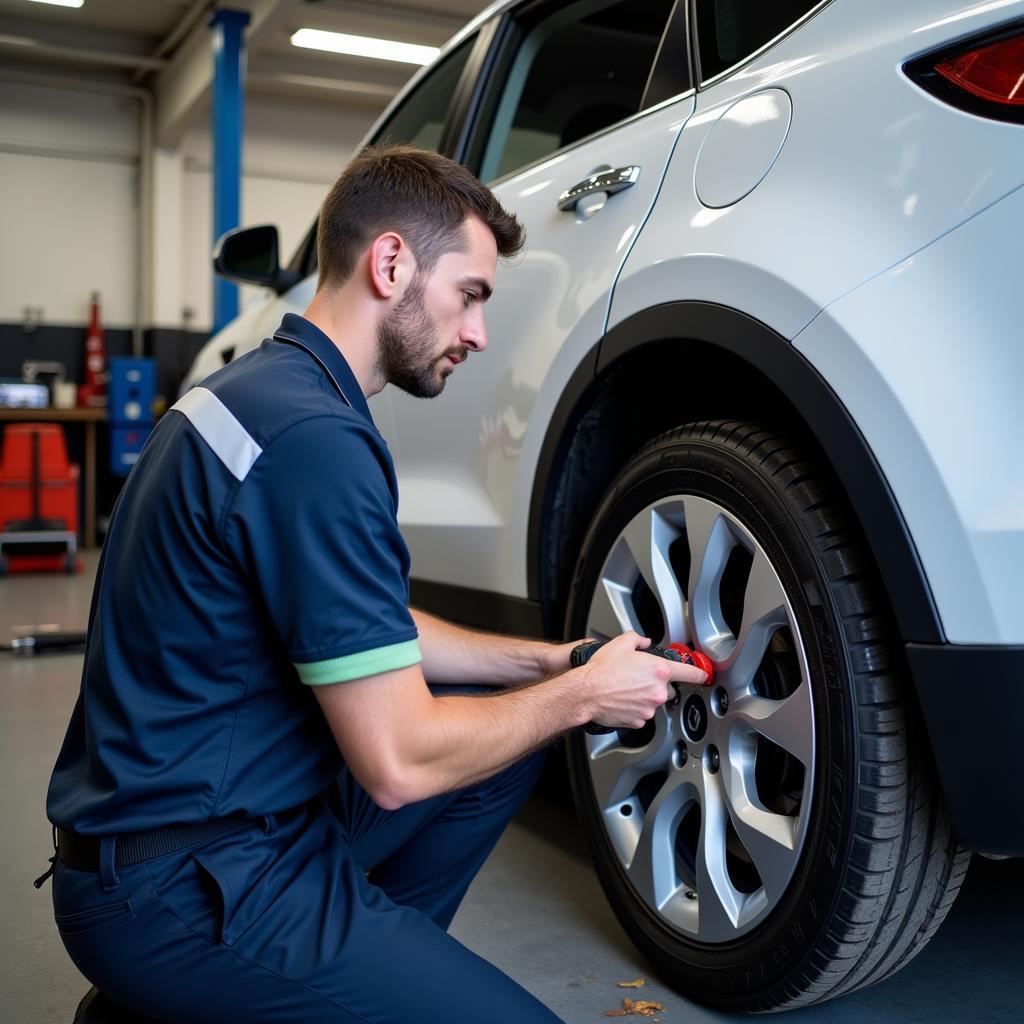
<point x="391" y="265"/>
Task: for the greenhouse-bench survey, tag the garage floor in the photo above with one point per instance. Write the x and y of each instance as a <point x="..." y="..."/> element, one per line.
<point x="535" y="910"/>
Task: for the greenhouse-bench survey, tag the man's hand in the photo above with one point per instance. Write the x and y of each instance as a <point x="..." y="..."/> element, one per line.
<point x="627" y="686"/>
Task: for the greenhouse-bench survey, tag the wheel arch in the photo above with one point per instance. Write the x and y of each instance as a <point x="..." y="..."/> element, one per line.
<point x="689" y="349"/>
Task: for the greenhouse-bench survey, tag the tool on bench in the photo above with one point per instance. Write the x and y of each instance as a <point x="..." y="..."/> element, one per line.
<point x="582" y="653"/>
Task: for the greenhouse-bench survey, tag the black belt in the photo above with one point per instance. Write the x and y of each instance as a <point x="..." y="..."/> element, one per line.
<point x="83" y="852"/>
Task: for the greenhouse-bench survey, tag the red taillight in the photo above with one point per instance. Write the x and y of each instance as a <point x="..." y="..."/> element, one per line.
<point x="994" y="73"/>
<point x="983" y="76"/>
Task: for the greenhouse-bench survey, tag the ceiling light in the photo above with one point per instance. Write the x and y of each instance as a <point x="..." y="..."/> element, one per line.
<point x="364" y="46"/>
<point x="61" y="3"/>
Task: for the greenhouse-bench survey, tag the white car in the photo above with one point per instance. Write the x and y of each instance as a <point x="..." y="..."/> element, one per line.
<point x="754" y="388"/>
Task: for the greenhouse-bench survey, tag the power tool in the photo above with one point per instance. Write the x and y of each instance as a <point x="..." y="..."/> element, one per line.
<point x="582" y="653"/>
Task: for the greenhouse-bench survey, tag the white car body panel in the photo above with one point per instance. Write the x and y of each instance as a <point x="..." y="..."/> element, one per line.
<point x="933" y="383"/>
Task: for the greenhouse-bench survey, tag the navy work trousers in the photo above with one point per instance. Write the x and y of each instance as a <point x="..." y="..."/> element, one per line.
<point x="336" y="914"/>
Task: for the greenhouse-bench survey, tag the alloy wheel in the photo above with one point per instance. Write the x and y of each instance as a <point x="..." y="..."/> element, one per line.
<point x="707" y="807"/>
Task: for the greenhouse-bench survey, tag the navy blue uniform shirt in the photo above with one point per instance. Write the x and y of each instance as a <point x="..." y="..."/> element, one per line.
<point x="253" y="553"/>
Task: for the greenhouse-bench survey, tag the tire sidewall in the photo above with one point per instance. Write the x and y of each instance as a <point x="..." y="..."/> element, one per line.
<point x="748" y="968"/>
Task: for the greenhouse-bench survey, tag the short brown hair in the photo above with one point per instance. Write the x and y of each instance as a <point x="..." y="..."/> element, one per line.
<point x="421" y="195"/>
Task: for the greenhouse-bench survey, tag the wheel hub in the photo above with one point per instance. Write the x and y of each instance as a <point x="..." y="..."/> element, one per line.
<point x="695" y="718"/>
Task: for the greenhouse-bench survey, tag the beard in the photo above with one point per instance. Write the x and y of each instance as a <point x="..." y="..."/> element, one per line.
<point x="407" y="346"/>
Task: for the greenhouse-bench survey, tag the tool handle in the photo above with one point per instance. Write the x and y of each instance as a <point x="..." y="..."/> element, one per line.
<point x="582" y="653"/>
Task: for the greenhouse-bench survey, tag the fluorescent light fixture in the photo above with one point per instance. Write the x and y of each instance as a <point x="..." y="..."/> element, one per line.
<point x="61" y="3"/>
<point x="364" y="46"/>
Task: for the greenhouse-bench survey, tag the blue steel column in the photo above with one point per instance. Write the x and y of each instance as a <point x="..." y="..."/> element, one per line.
<point x="226" y="128"/>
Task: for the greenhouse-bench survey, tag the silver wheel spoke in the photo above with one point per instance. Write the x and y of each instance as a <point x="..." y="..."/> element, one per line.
<point x="769" y="838"/>
<point x="718" y="906"/>
<point x="764" y="612"/>
<point x="787" y="723"/>
<point x="611" y="611"/>
<point x="615" y="770"/>
<point x="652" y="867"/>
<point x="710" y="542"/>
<point x="648" y="538"/>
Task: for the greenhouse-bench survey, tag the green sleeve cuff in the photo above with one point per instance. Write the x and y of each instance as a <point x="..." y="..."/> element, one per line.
<point x="356" y="666"/>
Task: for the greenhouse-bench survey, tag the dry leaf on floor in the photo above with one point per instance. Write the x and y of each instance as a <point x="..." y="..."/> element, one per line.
<point x="639" y="983"/>
<point x="637" y="1007"/>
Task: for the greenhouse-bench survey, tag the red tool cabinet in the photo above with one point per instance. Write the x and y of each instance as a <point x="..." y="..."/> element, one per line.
<point x="38" y="500"/>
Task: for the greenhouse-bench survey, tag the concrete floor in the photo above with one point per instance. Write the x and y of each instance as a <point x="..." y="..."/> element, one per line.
<point x="535" y="910"/>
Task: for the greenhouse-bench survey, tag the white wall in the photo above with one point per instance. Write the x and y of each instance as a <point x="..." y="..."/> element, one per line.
<point x="68" y="203"/>
<point x="69" y="194"/>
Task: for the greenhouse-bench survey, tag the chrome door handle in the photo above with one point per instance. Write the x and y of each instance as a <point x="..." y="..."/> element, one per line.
<point x="603" y="181"/>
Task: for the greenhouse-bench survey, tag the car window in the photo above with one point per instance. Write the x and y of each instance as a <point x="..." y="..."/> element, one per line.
<point x="420" y="119"/>
<point x="729" y="31"/>
<point x="579" y="69"/>
<point x="303" y="261"/>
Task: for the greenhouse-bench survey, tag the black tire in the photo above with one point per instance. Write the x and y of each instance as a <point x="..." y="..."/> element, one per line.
<point x="877" y="867"/>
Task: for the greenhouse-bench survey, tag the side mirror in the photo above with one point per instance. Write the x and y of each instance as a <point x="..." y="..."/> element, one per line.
<point x="250" y="256"/>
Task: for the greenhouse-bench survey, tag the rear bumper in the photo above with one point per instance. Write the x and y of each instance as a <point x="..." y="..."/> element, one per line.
<point x="972" y="698"/>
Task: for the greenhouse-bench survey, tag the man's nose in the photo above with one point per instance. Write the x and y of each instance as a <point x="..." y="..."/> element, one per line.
<point x="474" y="332"/>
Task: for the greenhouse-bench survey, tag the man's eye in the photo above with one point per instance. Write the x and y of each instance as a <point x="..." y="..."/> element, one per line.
<point x="468" y="298"/>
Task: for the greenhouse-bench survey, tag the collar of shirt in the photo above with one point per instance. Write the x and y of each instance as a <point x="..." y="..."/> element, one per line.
<point x="299" y="331"/>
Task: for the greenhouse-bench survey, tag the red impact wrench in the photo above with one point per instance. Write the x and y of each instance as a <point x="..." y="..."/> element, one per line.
<point x="582" y="653"/>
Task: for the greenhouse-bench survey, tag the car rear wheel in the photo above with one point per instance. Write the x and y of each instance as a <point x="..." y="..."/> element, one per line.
<point x="775" y="838"/>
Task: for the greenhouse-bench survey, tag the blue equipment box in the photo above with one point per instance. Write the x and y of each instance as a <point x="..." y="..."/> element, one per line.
<point x="125" y="445"/>
<point x="130" y="391"/>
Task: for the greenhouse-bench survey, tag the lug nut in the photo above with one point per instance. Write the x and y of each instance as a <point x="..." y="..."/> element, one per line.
<point x="681" y="754"/>
<point x="720" y="701"/>
<point x="714" y="761"/>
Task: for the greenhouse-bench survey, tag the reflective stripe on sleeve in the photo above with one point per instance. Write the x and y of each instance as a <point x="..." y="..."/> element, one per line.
<point x="217" y="426"/>
<point x="356" y="666"/>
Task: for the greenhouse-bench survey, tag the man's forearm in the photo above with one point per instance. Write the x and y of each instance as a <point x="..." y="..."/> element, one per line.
<point x="454" y="655"/>
<point x="472" y="738"/>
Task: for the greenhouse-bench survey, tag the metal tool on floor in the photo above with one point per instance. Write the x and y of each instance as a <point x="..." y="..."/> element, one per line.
<point x="46" y="642"/>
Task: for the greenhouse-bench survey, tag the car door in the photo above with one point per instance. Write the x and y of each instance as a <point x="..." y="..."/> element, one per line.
<point x="569" y="106"/>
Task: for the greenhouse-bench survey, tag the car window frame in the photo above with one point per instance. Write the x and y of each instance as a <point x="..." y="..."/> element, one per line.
<point x="706" y="83"/>
<point x="509" y="36"/>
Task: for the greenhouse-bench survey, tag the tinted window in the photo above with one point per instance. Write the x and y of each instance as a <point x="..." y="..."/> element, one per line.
<point x="580" y="69"/>
<point x="729" y="31"/>
<point x="420" y="119"/>
<point x="303" y="262"/>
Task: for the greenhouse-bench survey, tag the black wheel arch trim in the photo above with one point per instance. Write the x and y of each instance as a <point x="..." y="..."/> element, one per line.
<point x="775" y="358"/>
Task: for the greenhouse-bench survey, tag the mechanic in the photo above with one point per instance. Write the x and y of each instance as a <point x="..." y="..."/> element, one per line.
<point x="263" y="812"/>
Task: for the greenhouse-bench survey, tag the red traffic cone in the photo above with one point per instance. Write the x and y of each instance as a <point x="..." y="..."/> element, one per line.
<point x="94" y="390"/>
